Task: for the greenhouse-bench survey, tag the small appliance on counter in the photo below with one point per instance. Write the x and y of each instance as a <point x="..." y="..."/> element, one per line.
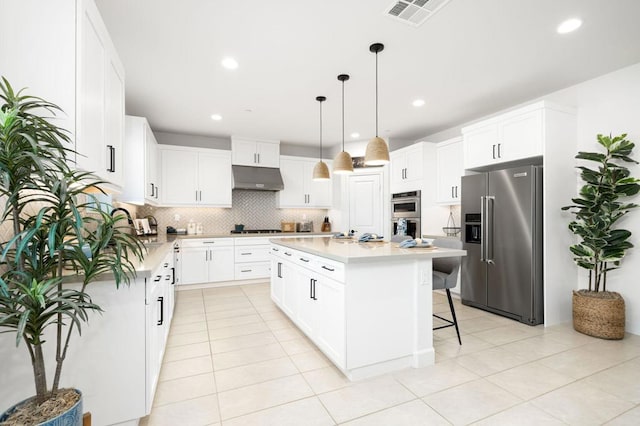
<point x="326" y="225"/>
<point x="172" y="230"/>
<point x="287" y="226"/>
<point x="304" y="226"/>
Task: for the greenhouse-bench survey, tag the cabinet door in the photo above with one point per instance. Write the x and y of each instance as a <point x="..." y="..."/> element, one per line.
<point x="194" y="265"/>
<point x="414" y="168"/>
<point x="450" y="170"/>
<point x="318" y="192"/>
<point x="90" y="95"/>
<point x="114" y="124"/>
<point x="268" y="154"/>
<point x="179" y="176"/>
<point x="330" y="330"/>
<point x="152" y="191"/>
<point x="480" y="146"/>
<point x="397" y="167"/>
<point x="290" y="288"/>
<point x="214" y="180"/>
<point x="221" y="266"/>
<point x="521" y="136"/>
<point x="293" y="194"/>
<point x="277" y="282"/>
<point x="243" y="152"/>
<point x="306" y="303"/>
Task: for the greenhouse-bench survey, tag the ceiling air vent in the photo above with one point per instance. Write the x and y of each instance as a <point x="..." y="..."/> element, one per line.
<point x="414" y="12"/>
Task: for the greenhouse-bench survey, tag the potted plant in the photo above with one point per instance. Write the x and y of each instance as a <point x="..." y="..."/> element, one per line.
<point x="597" y="209"/>
<point x="55" y="225"/>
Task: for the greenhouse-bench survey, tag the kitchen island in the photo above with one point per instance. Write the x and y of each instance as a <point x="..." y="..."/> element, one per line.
<point x="367" y="306"/>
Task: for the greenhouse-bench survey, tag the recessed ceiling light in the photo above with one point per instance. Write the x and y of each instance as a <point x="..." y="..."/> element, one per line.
<point x="230" y="63"/>
<point x="216" y="117"/>
<point x="355" y="135"/>
<point x="569" y="25"/>
<point x="418" y="103"/>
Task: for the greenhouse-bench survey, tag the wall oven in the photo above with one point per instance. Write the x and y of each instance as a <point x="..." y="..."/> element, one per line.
<point x="405" y="204"/>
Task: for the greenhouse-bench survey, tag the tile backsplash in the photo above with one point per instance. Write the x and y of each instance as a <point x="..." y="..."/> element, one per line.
<point x="253" y="209"/>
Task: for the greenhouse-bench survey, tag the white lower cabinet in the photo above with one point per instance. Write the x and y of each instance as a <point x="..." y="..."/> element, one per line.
<point x="313" y="300"/>
<point x="252" y="258"/>
<point x="206" y="260"/>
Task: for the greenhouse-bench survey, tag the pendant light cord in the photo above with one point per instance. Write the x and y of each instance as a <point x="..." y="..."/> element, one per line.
<point x="376" y="94"/>
<point x="321" y="131"/>
<point x="343" y="115"/>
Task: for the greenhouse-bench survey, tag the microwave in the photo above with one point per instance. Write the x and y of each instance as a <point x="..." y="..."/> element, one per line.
<point x="405" y="204"/>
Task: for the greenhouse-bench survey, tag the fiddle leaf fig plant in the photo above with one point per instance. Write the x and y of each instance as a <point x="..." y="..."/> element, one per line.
<point x="600" y="205"/>
<point x="54" y="225"/>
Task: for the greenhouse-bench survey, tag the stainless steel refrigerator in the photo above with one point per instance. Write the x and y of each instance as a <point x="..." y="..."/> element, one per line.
<point x="502" y="234"/>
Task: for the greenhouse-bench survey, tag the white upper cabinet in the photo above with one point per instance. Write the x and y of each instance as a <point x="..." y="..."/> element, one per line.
<point x="512" y="136"/>
<point x="251" y="152"/>
<point x="195" y="177"/>
<point x="450" y="169"/>
<point x="407" y="168"/>
<point x="300" y="190"/>
<point x="141" y="163"/>
<point x="63" y="53"/>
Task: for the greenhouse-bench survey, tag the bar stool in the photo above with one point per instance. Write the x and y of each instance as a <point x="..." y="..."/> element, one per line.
<point x="445" y="277"/>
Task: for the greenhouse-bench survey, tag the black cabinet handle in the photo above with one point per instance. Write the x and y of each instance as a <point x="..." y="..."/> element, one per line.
<point x="245" y="254"/>
<point x="304" y="260"/>
<point x="173" y="274"/>
<point x="493" y="150"/>
<point x="310" y="288"/>
<point x="499" y="155"/>
<point x="452" y="196"/>
<point x="274" y="249"/>
<point x="112" y="159"/>
<point x="153" y="189"/>
<point x="161" y="300"/>
<point x="157" y="278"/>
<point x="288" y="254"/>
<point x="279" y="270"/>
<point x="313" y="284"/>
<point x="328" y="269"/>
<point x="246" y="270"/>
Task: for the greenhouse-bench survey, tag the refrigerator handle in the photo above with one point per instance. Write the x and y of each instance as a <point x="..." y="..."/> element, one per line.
<point x="489" y="228"/>
<point x="483" y="234"/>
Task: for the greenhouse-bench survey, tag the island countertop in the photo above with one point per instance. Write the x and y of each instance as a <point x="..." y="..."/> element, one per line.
<point x="351" y="251"/>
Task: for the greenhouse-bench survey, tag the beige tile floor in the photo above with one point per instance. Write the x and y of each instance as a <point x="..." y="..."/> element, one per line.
<point x="234" y="359"/>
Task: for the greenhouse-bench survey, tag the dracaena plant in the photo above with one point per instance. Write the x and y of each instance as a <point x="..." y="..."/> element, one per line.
<point x="599" y="206"/>
<point x="55" y="225"/>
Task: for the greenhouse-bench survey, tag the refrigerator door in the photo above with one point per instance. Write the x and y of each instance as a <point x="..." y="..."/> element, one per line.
<point x="473" y="284"/>
<point x="510" y="241"/>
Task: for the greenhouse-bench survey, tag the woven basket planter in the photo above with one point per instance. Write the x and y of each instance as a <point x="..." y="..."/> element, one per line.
<point x="599" y="314"/>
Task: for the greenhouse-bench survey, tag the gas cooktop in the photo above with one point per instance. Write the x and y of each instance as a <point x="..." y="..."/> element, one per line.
<point x="257" y="231"/>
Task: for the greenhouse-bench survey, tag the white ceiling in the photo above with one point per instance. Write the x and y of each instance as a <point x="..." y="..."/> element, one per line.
<point x="471" y="59"/>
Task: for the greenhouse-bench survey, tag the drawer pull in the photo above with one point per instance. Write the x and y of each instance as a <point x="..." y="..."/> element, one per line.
<point x="328" y="269"/>
<point x="274" y="249"/>
<point x="288" y="254"/>
<point x="246" y="270"/>
<point x="208" y="242"/>
<point x="157" y="278"/>
<point x="304" y="260"/>
<point x="246" y="254"/>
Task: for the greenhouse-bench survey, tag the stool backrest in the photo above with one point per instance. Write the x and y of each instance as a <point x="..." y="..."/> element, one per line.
<point x="448" y="265"/>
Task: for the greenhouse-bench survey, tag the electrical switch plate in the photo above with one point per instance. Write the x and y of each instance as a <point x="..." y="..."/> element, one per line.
<point x="176" y="217"/>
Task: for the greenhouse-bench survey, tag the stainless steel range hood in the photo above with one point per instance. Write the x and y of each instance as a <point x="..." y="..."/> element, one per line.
<point x="257" y="178"/>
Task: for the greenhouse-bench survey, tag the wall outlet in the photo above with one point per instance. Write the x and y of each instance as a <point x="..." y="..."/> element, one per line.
<point x="176" y="217"/>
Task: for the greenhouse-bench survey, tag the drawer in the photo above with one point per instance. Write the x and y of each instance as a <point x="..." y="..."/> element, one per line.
<point x="207" y="242"/>
<point x="249" y="271"/>
<point x="329" y="268"/>
<point x="250" y="241"/>
<point x="252" y="254"/>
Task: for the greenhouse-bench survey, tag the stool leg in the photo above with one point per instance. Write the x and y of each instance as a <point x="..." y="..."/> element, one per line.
<point x="453" y="314"/>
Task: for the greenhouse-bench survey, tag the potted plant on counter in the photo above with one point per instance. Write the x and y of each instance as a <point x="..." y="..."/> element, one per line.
<point x="597" y="209"/>
<point x="52" y="225"/>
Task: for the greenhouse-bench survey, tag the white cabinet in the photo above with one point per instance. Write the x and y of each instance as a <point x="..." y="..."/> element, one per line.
<point x="141" y="163"/>
<point x="251" y="152"/>
<point x="509" y="137"/>
<point x="63" y="53"/>
<point x="406" y="168"/>
<point x="308" y="290"/>
<point x="198" y="177"/>
<point x="206" y="260"/>
<point x="450" y="169"/>
<point x="300" y="190"/>
<point x="252" y="258"/>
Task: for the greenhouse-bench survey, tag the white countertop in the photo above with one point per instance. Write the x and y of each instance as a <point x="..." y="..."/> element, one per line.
<point x="351" y="251"/>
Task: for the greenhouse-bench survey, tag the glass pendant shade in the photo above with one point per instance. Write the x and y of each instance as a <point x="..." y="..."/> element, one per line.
<point x="377" y="153"/>
<point x="342" y="164"/>
<point x="321" y="171"/>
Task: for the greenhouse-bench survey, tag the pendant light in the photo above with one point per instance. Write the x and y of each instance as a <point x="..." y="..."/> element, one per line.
<point x="321" y="171"/>
<point x="377" y="153"/>
<point x="343" y="164"/>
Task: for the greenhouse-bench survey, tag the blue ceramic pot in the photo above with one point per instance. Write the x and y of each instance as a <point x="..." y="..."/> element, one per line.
<point x="71" y="417"/>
